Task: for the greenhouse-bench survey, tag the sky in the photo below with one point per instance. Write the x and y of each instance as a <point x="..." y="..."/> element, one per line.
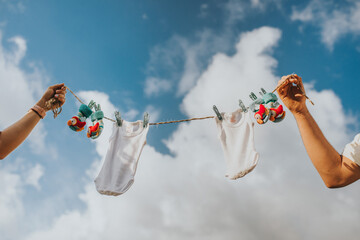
<point x="175" y="60"/>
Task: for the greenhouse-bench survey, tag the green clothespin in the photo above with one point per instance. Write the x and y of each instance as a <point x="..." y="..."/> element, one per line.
<point x="146" y="119"/>
<point x="91" y="104"/>
<point x="256" y="101"/>
<point x="263" y="92"/>
<point x="217" y="113"/>
<point x="118" y="118"/>
<point x="253" y="96"/>
<point x="242" y="105"/>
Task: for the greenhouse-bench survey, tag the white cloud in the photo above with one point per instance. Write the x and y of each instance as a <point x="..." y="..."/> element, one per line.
<point x="227" y="84"/>
<point x="334" y="23"/>
<point x="181" y="61"/>
<point x="20" y="49"/>
<point x="11" y="206"/>
<point x="236" y="10"/>
<point x="131" y="114"/>
<point x="187" y="196"/>
<point x="34" y="175"/>
<point x="154" y="113"/>
<point x="15" y="176"/>
<point x="305" y="15"/>
<point x="155" y="86"/>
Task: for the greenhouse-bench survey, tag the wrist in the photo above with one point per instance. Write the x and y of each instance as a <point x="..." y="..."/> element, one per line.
<point x="41" y="103"/>
<point x="301" y="114"/>
<point x="39" y="111"/>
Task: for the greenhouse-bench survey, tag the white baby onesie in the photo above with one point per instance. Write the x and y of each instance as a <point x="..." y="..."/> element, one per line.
<point x="236" y="133"/>
<point x="117" y="173"/>
<point x="352" y="150"/>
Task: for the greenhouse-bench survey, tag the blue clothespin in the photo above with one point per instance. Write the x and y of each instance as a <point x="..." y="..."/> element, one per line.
<point x="217" y="113"/>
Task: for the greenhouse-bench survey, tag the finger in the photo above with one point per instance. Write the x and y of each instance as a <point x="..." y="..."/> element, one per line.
<point x="300" y="84"/>
<point x="283" y="79"/>
<point x="59" y="96"/>
<point x="62" y="100"/>
<point x="283" y="84"/>
<point x="57" y="86"/>
<point x="60" y="91"/>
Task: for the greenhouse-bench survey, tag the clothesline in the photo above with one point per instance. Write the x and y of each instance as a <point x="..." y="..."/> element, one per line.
<point x="158" y="123"/>
<point x="57" y="110"/>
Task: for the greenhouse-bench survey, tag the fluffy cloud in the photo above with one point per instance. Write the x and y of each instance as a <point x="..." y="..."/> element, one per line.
<point x="154" y="112"/>
<point x="11" y="206"/>
<point x="180" y="62"/>
<point x="15" y="177"/>
<point x="186" y="195"/>
<point x="34" y="175"/>
<point x="334" y="23"/>
<point x="155" y="86"/>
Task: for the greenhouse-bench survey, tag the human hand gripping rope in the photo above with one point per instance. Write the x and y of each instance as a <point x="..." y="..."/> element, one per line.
<point x="265" y="108"/>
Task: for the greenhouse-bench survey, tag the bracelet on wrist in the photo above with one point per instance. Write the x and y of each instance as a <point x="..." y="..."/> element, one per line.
<point x="39" y="111"/>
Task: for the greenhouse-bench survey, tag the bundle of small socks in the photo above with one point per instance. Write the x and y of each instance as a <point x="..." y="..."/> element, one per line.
<point x="266" y="108"/>
<point x="78" y="122"/>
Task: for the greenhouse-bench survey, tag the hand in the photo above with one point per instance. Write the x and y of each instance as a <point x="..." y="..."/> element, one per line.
<point x="57" y="92"/>
<point x="292" y="93"/>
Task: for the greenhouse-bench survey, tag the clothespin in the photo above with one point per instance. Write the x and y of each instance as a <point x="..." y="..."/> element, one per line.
<point x="262" y="92"/>
<point x="146" y="119"/>
<point x="97" y="107"/>
<point x="91" y="104"/>
<point x="217" y="113"/>
<point x="256" y="101"/>
<point x="253" y="96"/>
<point x="242" y="105"/>
<point x="118" y="118"/>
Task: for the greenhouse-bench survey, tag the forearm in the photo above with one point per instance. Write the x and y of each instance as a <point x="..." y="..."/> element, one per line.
<point x="325" y="158"/>
<point x="14" y="135"/>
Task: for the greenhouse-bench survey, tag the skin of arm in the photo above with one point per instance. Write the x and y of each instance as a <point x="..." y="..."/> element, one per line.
<point x="335" y="170"/>
<point x="13" y="136"/>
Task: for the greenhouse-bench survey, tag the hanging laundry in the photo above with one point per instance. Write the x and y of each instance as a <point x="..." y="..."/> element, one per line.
<point x="118" y="171"/>
<point x="236" y="133"/>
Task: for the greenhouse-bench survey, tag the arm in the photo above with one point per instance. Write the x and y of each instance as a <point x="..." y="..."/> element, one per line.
<point x="334" y="169"/>
<point x="14" y="135"/>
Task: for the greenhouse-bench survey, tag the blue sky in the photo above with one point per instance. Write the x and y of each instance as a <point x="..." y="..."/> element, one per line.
<point x="165" y="57"/>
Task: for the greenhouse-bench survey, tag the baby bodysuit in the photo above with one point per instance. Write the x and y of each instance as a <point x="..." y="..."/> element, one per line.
<point x="119" y="168"/>
<point x="352" y="150"/>
<point x="236" y="133"/>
